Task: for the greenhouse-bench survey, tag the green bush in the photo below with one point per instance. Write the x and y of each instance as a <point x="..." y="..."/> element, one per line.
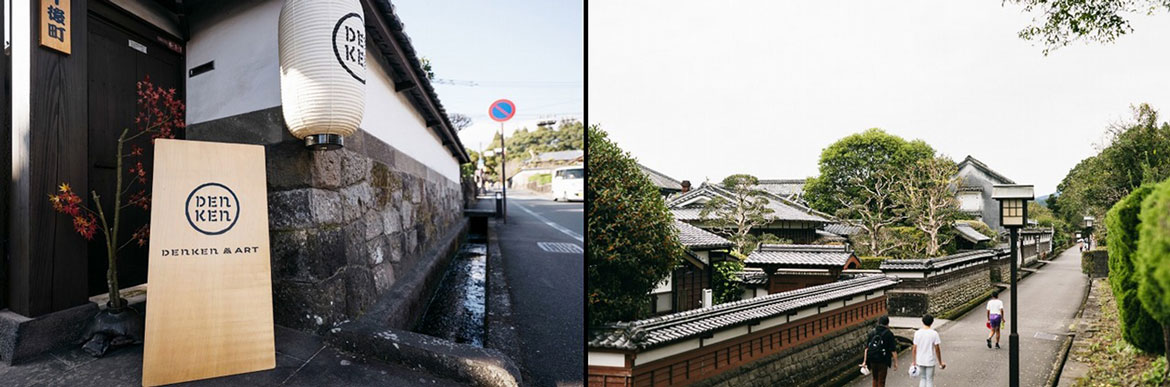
<point x="540" y="179"/>
<point x="1137" y="327"/>
<point x="725" y="282"/>
<point x="872" y="263"/>
<point x="1153" y="254"/>
<point x="632" y="241"/>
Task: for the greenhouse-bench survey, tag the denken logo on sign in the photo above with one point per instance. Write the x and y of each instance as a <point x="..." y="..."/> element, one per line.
<point x="212" y="208"/>
<point x="349" y="45"/>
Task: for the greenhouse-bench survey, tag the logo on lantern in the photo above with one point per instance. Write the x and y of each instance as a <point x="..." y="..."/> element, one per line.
<point x="212" y="208"/>
<point x="349" y="45"/>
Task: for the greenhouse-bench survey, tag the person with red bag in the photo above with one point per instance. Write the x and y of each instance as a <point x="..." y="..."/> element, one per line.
<point x="994" y="318"/>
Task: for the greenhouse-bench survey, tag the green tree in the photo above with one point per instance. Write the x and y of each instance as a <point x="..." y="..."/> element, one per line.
<point x="1137" y="327"/>
<point x="926" y="193"/>
<point x="726" y="282"/>
<point x="632" y="241"/>
<point x="1061" y="22"/>
<point x="855" y="161"/>
<point x="1153" y="259"/>
<point x="1137" y="152"/>
<point x="735" y="216"/>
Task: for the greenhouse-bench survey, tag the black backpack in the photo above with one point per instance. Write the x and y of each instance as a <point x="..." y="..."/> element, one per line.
<point x="877" y="350"/>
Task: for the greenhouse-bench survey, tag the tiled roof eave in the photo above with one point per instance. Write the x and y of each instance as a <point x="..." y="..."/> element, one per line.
<point x="663" y="330"/>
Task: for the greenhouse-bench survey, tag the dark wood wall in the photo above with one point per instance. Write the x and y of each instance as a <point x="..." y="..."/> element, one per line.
<point x="47" y="263"/>
<point x="5" y="162"/>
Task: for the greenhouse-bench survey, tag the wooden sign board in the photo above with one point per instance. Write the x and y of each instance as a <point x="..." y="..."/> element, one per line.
<point x="55" y="25"/>
<point x="209" y="292"/>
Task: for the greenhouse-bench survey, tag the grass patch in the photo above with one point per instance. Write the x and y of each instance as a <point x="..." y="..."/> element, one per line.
<point x="1112" y="361"/>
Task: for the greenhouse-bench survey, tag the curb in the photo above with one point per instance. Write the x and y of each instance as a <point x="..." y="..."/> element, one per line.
<point x="500" y="332"/>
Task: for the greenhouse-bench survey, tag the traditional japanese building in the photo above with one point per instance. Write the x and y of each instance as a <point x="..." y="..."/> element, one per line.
<point x="667" y="186"/>
<point x="788" y="219"/>
<point x="798" y="266"/>
<point x="683" y="289"/>
<point x="348" y="227"/>
<point x="974" y="191"/>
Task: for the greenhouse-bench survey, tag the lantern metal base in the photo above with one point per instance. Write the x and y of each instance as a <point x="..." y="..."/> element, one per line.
<point x="324" y="141"/>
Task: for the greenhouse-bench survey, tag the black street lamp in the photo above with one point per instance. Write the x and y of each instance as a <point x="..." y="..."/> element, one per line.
<point x="1013" y="214"/>
<point x="1088" y="223"/>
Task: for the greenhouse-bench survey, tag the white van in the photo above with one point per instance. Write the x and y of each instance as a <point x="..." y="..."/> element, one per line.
<point x="568" y="183"/>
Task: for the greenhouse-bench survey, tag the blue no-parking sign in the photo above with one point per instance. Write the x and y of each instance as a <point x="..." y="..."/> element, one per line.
<point x="502" y="110"/>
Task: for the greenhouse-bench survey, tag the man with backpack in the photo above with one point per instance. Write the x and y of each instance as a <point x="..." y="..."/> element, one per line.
<point x="880" y="346"/>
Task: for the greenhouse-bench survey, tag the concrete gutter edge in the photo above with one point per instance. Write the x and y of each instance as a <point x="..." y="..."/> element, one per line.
<point x="501" y="330"/>
<point x="460" y="362"/>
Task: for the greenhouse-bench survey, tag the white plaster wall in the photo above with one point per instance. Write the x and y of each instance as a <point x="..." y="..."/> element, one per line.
<point x="391" y="118"/>
<point x="242" y="42"/>
<point x="971" y="201"/>
<point x="607" y="359"/>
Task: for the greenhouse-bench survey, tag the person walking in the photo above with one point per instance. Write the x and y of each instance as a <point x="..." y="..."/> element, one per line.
<point x="927" y="352"/>
<point x="880" y="345"/>
<point x="994" y="318"/>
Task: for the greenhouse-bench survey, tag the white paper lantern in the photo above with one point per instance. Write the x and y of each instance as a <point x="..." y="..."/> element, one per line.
<point x="322" y="69"/>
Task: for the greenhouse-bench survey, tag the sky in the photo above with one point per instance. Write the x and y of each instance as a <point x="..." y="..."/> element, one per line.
<point x="701" y="90"/>
<point x="530" y="52"/>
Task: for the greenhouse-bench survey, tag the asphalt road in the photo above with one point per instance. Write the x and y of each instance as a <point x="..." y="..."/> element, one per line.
<point x="1048" y="299"/>
<point x="547" y="287"/>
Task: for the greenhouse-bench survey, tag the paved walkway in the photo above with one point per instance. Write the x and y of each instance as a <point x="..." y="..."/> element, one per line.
<point x="1049" y="300"/>
<point x="301" y="360"/>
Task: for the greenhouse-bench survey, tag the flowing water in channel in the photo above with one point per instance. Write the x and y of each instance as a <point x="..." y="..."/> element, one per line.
<point x="456" y="312"/>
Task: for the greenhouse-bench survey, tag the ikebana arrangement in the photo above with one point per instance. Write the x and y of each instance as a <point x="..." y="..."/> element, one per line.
<point x="160" y="114"/>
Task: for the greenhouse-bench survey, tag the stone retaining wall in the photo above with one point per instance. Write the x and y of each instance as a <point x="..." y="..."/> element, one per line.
<point x="345" y="225"/>
<point x="940" y="293"/>
<point x="806" y="365"/>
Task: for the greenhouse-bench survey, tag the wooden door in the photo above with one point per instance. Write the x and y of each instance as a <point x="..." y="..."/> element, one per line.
<point x="122" y="55"/>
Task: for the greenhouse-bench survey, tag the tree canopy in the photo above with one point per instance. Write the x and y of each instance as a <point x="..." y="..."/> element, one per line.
<point x="855" y="161"/>
<point x="633" y="244"/>
<point x="735" y="217"/>
<point x="1060" y="22"/>
<point x="1136" y="151"/>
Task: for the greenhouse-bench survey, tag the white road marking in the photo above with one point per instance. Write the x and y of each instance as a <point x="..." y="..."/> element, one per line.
<point x="550" y="223"/>
<point x="561" y="247"/>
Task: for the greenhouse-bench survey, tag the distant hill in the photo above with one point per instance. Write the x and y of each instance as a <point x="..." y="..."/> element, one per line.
<point x="1043" y="200"/>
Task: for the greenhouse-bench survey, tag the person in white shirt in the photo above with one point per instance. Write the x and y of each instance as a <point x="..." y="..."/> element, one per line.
<point x="927" y="352"/>
<point x="994" y="318"/>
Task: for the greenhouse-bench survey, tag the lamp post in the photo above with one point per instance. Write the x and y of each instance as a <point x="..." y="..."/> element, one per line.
<point x="1013" y="214"/>
<point x="1088" y="223"/>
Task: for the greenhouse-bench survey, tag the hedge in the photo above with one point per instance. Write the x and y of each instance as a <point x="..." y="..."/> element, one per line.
<point x="1137" y="327"/>
<point x="1153" y="254"/>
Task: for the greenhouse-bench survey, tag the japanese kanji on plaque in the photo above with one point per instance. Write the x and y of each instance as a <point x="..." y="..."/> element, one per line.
<point x="55" y="25"/>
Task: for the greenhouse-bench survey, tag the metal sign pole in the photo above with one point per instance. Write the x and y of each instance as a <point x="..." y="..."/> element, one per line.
<point x="504" y="173"/>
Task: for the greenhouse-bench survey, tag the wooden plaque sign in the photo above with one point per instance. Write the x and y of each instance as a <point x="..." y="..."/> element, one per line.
<point x="209" y="286"/>
<point x="55" y="25"/>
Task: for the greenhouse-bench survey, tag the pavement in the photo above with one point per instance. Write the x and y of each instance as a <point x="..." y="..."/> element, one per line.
<point x="302" y="359"/>
<point x="1049" y="300"/>
<point x="547" y="285"/>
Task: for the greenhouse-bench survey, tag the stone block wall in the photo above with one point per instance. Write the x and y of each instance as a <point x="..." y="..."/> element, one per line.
<point x="806" y="365"/>
<point x="345" y="225"/>
<point x="942" y="292"/>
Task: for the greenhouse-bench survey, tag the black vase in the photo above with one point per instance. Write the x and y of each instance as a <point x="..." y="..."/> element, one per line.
<point x="113" y="327"/>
